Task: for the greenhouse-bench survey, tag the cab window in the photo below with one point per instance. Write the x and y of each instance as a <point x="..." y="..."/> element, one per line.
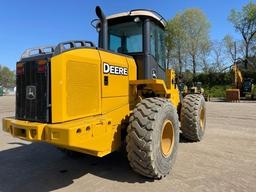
<point x="157" y="45"/>
<point x="126" y="37"/>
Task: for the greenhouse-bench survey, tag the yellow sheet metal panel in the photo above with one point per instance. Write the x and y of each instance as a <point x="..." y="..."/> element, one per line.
<point x="173" y="87"/>
<point x="58" y="88"/>
<point x="132" y="76"/>
<point x="76" y="84"/>
<point x="175" y="98"/>
<point x="115" y="74"/>
<point x="83" y="88"/>
<point x="132" y="68"/>
<point x="113" y="103"/>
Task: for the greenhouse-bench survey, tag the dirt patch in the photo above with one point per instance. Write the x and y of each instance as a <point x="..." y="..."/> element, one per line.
<point x="224" y="161"/>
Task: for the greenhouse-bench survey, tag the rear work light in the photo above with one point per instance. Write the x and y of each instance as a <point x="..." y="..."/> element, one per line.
<point x="20" y="68"/>
<point x="41" y="66"/>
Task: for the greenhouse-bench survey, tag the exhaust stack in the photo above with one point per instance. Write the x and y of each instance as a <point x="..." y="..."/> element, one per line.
<point x="103" y="43"/>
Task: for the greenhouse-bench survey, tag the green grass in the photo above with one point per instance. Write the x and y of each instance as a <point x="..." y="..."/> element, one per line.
<point x="217" y="90"/>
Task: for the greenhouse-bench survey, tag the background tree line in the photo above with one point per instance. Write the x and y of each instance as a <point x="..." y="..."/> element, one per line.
<point x="7" y="77"/>
<point x="192" y="53"/>
<point x="194" y="56"/>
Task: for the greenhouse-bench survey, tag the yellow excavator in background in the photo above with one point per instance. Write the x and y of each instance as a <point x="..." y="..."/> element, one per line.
<point x="238" y="77"/>
<point x="241" y="86"/>
<point x="233" y="94"/>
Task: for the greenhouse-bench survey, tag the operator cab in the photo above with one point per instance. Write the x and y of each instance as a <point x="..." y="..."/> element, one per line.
<point x="247" y="85"/>
<point x="139" y="33"/>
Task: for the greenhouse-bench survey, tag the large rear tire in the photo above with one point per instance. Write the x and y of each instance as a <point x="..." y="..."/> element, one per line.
<point x="193" y="117"/>
<point x="153" y="137"/>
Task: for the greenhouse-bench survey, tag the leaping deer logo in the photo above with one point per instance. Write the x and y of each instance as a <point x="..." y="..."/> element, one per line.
<point x="31" y="92"/>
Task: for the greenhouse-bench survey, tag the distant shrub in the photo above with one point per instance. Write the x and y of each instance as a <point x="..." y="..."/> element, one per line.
<point x="212" y="79"/>
<point x="217" y="90"/>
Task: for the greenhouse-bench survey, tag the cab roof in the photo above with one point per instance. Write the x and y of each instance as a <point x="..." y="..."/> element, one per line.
<point x="140" y="12"/>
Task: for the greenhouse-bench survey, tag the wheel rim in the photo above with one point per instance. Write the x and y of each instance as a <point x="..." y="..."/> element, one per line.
<point x="167" y="138"/>
<point x="202" y="117"/>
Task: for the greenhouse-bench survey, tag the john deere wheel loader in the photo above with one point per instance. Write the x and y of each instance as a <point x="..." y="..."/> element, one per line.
<point x="91" y="99"/>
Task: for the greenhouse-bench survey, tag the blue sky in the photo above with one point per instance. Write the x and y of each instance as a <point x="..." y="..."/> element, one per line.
<point x="30" y="23"/>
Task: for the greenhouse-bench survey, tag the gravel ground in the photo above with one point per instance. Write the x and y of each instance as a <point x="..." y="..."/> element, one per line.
<point x="224" y="161"/>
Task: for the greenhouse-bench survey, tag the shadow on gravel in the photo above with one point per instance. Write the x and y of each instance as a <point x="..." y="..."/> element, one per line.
<point x="41" y="167"/>
<point x="17" y="143"/>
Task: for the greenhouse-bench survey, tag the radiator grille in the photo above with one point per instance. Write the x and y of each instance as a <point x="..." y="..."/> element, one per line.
<point x="38" y="108"/>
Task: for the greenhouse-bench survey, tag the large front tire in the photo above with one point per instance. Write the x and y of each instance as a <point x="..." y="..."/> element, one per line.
<point x="193" y="117"/>
<point x="153" y="137"/>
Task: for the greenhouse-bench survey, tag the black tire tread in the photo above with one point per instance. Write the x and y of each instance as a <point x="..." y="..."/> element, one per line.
<point x="139" y="137"/>
<point x="190" y="118"/>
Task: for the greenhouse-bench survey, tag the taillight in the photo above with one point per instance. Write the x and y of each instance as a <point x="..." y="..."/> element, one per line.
<point x="41" y="66"/>
<point x="20" y="68"/>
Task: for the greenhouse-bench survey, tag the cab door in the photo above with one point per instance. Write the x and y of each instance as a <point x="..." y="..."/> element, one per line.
<point x="157" y="57"/>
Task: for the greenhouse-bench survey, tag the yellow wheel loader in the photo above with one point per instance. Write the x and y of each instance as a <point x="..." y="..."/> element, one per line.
<point x="90" y="99"/>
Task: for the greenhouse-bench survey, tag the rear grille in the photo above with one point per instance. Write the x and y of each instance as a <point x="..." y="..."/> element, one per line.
<point x="33" y="91"/>
<point x="31" y="78"/>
